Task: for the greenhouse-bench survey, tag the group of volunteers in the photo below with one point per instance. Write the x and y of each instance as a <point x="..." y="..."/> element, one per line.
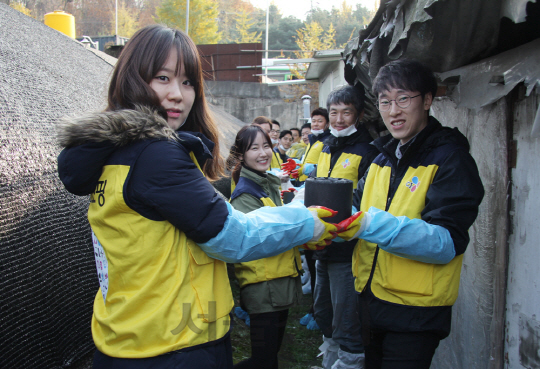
<point x="384" y="279"/>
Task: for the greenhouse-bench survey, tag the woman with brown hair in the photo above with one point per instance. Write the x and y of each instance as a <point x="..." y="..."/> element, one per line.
<point x="268" y="286"/>
<point x="161" y="234"/>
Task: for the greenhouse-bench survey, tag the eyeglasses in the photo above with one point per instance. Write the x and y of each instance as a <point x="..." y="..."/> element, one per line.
<point x="402" y="101"/>
<point x="275" y="130"/>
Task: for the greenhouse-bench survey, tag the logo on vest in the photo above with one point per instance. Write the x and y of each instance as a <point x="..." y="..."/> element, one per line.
<point x="413" y="184"/>
<point x="100" y="191"/>
<point x="346" y="163"/>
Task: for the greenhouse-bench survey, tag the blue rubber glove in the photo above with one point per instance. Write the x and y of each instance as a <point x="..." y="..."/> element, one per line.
<point x="308" y="168"/>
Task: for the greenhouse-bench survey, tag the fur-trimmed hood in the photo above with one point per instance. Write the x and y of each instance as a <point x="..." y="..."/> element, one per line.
<point x="119" y="127"/>
<point x="90" y="140"/>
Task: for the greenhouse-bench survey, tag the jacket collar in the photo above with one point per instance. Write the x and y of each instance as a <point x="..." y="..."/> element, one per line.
<point x="264" y="180"/>
<point x="433" y="135"/>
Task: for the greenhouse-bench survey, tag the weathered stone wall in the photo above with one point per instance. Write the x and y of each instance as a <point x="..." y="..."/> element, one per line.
<point x="247" y="100"/>
<point x="477" y="335"/>
<point x="522" y="341"/>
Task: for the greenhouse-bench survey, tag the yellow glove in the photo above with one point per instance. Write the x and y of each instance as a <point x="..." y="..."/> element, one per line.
<point x="323" y="232"/>
<point x="352" y="226"/>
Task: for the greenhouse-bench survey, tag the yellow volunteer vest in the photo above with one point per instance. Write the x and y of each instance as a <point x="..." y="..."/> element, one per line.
<point x="279" y="266"/>
<point x="159" y="291"/>
<point x="297" y="149"/>
<point x="396" y="279"/>
<point x="312" y="156"/>
<point x="346" y="166"/>
<point x="276" y="161"/>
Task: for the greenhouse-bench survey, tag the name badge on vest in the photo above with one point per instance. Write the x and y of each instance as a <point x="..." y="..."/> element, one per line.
<point x="102" y="266"/>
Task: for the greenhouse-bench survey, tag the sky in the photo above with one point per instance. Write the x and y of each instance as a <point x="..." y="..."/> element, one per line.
<point x="299" y="8"/>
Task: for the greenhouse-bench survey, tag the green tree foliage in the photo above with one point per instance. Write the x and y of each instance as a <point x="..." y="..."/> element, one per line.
<point x="282" y="36"/>
<point x="312" y="38"/>
<point x="203" y="18"/>
<point x="96" y="18"/>
<point x="20" y="7"/>
<point x="281" y="30"/>
<point x="127" y="21"/>
<point x="229" y="11"/>
<point x="243" y="24"/>
<point x="347" y="21"/>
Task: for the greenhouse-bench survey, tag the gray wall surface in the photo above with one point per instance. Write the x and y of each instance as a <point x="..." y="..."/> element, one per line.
<point x="247" y="100"/>
<point x="477" y="333"/>
<point x="523" y="293"/>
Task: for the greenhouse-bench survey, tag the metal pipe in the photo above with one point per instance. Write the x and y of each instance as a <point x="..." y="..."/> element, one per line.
<point x="187" y="17"/>
<point x="266" y="54"/>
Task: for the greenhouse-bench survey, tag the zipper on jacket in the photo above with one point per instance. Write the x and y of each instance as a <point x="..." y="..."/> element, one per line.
<point x="334" y="160"/>
<point x="388" y="202"/>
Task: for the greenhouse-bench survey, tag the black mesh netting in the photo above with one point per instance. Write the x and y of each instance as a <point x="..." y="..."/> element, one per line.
<point x="48" y="278"/>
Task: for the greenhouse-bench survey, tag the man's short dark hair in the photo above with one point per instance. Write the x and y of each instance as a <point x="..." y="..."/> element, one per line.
<point x="295" y="129"/>
<point x="306" y="125"/>
<point x="347" y="95"/>
<point x="322" y="112"/>
<point x="405" y="74"/>
<point x="262" y="120"/>
<point x="276" y="122"/>
<point x="283" y="133"/>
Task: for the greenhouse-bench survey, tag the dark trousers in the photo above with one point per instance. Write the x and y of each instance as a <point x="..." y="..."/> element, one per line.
<point x="308" y="254"/>
<point x="215" y="356"/>
<point x="266" y="331"/>
<point x="400" y="350"/>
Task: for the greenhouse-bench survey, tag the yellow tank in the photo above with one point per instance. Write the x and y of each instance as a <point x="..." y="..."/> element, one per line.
<point x="62" y="22"/>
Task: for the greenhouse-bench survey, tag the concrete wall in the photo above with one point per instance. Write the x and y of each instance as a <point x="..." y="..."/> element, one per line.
<point x="331" y="79"/>
<point x="477" y="324"/>
<point x="523" y="294"/>
<point x="247" y="100"/>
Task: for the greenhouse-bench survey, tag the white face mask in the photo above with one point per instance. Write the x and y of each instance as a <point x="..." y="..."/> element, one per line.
<point x="317" y="132"/>
<point x="274" y="141"/>
<point x="282" y="148"/>
<point x="344" y="132"/>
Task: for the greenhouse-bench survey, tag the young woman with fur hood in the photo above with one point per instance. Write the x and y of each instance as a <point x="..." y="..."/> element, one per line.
<point x="161" y="234"/>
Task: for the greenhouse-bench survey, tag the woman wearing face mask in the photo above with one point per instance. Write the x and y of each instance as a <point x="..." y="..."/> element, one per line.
<point x="269" y="286"/>
<point x="161" y="234"/>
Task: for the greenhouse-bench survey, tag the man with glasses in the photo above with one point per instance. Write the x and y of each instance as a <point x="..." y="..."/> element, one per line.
<point x="418" y="199"/>
<point x="274" y="133"/>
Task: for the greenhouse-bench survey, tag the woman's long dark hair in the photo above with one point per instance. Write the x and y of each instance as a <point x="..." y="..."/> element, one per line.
<point x="141" y="59"/>
<point x="242" y="143"/>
